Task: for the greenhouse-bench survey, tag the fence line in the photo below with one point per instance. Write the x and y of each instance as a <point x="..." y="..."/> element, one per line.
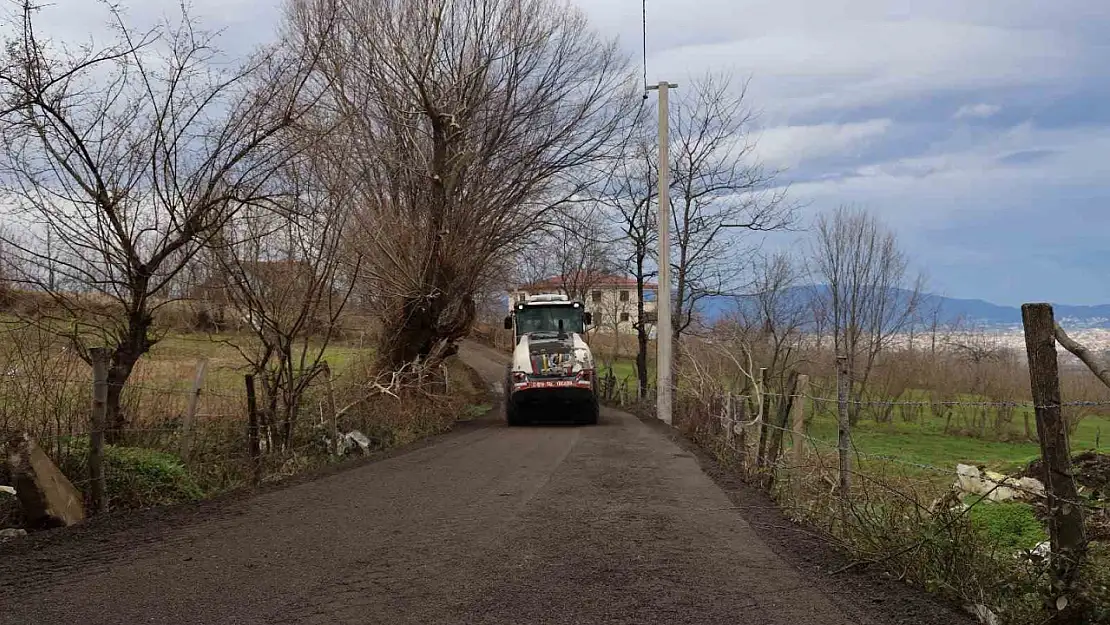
<point x="704" y="410"/>
<point x="1008" y="482"/>
<point x="947" y="403"/>
<point x="199" y="423"/>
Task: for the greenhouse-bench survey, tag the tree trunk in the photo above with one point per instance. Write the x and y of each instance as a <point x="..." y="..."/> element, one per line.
<point x="641" y="330"/>
<point x="126" y="354"/>
<point x="421" y="325"/>
<point x="118" y="373"/>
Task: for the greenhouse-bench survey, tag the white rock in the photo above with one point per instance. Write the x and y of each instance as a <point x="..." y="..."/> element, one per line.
<point x="968" y="478"/>
<point x="359" y="439"/>
<point x="7" y="490"/>
<point x="6" y="534"/>
<point x="990" y="485"/>
<point x="1031" y="488"/>
<point x="984" y="614"/>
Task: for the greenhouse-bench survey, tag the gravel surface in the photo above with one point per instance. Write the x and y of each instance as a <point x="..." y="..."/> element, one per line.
<point x="616" y="523"/>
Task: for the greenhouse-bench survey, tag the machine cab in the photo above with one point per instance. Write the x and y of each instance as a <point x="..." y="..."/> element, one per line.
<point x="548" y="314"/>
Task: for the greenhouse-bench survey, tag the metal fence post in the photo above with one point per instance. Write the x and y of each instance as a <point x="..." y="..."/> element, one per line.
<point x="333" y="418"/>
<point x="729" y="421"/>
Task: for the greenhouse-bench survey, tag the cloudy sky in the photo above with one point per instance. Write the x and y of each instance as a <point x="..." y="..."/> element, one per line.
<point x="979" y="130"/>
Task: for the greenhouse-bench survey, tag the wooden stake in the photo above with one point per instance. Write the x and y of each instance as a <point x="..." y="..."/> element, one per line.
<point x="1066" y="531"/>
<point x="799" y="431"/>
<point x="101" y="357"/>
<point x="253" y="447"/>
<point x="843" y="389"/>
<point x="191" y="410"/>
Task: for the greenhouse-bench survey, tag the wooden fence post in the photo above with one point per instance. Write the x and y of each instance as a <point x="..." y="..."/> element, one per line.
<point x="253" y="447"/>
<point x="98" y="421"/>
<point x="785" y="407"/>
<point x="741" y="415"/>
<point x="730" y="421"/>
<point x="799" y="433"/>
<point x="843" y="391"/>
<point x="191" y="410"/>
<point x="1066" y="531"/>
<point x="765" y="397"/>
<point x="333" y="418"/>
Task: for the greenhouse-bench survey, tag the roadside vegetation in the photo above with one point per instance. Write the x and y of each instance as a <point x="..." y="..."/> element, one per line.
<point x="331" y="213"/>
<point x="181" y="220"/>
<point x="923" y="398"/>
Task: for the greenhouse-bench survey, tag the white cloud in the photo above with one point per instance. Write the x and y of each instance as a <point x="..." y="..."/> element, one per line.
<point x="929" y="189"/>
<point x="808" y="57"/>
<point x="788" y="146"/>
<point x="981" y="111"/>
<point x="240" y="24"/>
<point x="871" y="63"/>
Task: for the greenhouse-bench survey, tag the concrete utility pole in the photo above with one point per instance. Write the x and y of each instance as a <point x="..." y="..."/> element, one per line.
<point x="663" y="298"/>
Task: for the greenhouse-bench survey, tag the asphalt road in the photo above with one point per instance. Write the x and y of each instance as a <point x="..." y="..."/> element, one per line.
<point x="608" y="524"/>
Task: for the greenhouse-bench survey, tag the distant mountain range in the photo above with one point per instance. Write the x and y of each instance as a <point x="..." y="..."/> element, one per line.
<point x="975" y="313"/>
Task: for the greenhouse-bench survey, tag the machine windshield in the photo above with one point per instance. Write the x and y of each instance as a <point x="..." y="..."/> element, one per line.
<point x="545" y="320"/>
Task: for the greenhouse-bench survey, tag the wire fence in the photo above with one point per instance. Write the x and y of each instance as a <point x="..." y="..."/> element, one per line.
<point x="186" y="433"/>
<point x="965" y="536"/>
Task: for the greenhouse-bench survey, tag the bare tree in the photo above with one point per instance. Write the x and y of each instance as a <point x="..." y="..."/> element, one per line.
<point x="630" y="193"/>
<point x="775" y="315"/>
<point x="573" y="251"/>
<point x="285" y="273"/>
<point x="120" y="162"/>
<point x="719" y="193"/>
<point x="866" y="296"/>
<point x="470" y="116"/>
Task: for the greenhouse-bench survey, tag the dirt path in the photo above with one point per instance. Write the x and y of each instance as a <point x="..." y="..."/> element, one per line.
<point x="608" y="524"/>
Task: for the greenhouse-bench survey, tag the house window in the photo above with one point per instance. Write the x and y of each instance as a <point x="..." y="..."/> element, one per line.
<point x="624" y="316"/>
<point x="596" y="297"/>
<point x="624" y="296"/>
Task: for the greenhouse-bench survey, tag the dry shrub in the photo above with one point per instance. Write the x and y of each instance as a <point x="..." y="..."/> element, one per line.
<point x="899" y="518"/>
<point x="393" y="410"/>
<point x="44" y="386"/>
<point x="493" y="336"/>
<point x="905" y="524"/>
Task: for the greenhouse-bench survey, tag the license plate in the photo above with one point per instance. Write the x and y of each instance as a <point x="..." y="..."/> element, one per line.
<point x="553" y="384"/>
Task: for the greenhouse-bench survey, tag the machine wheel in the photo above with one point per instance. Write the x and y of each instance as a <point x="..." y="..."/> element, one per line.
<point x="592" y="413"/>
<point x="512" y="415"/>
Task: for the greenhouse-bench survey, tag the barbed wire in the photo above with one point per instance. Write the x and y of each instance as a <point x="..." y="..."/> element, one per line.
<point x="926" y="403"/>
<point x="1008" y="482"/>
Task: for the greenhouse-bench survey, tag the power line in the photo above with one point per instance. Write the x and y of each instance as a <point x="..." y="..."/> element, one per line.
<point x="644" y="14"/>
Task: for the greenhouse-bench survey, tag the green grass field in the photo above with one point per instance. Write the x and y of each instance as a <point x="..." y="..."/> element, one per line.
<point x="925" y="441"/>
<point x="625" y="370"/>
<point x="172" y="361"/>
<point x="927" y="444"/>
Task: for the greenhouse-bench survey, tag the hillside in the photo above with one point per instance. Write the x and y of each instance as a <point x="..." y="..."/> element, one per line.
<point x="971" y="312"/>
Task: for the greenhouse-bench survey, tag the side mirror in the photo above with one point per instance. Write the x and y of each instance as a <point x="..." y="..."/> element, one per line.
<point x="588" y="318"/>
<point x="509" y="323"/>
